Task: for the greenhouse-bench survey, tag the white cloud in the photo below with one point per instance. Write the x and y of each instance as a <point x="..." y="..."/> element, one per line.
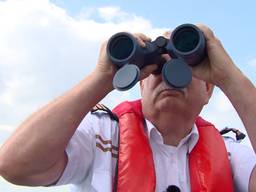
<point x="6" y="128"/>
<point x="221" y="102"/>
<point x="111" y="13"/>
<point x="44" y="51"/>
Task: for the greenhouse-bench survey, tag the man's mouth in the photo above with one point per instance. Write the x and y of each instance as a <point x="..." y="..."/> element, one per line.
<point x="172" y="91"/>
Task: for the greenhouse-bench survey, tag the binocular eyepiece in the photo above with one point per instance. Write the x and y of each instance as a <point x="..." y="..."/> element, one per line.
<point x="186" y="47"/>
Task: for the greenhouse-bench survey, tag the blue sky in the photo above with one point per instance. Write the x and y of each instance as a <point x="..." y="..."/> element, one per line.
<point x="46" y="47"/>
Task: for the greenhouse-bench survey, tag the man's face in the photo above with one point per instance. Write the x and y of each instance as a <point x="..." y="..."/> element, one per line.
<point x="158" y="97"/>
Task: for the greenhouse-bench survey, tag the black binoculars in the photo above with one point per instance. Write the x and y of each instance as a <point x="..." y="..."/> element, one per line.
<point x="186" y="47"/>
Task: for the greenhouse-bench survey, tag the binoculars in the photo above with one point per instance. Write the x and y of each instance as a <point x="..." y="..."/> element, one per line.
<point x="186" y="47"/>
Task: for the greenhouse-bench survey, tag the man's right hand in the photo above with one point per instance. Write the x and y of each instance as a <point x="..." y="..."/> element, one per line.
<point x="106" y="68"/>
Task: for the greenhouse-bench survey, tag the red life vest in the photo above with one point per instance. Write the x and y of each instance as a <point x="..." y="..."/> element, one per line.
<point x="209" y="167"/>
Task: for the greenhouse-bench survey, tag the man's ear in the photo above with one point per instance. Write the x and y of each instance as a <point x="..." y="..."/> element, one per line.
<point x="209" y="90"/>
<point x="141" y="85"/>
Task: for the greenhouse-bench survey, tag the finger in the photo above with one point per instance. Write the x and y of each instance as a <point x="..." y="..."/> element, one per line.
<point x="166" y="57"/>
<point x="103" y="48"/>
<point x="167" y="34"/>
<point x="208" y="33"/>
<point x="141" y="38"/>
<point x="211" y="39"/>
<point x="103" y="45"/>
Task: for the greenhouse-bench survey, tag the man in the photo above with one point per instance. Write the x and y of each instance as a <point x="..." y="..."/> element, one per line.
<point x="56" y="145"/>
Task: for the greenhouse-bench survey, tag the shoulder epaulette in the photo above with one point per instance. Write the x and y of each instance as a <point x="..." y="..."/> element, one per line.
<point x="101" y="107"/>
<point x="239" y="135"/>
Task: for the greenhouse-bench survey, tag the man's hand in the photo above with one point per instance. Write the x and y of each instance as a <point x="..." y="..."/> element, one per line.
<point x="218" y="67"/>
<point x="106" y="67"/>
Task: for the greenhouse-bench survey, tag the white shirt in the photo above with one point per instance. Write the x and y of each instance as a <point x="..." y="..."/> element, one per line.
<point x="92" y="157"/>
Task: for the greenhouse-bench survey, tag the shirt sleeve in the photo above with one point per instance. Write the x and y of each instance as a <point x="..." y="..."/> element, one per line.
<point x="243" y="160"/>
<point x="80" y="152"/>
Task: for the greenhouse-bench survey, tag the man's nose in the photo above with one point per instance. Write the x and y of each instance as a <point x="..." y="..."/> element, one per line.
<point x="158" y="78"/>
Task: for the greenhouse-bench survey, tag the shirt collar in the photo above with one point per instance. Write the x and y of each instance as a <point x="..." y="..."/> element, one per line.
<point x="191" y="139"/>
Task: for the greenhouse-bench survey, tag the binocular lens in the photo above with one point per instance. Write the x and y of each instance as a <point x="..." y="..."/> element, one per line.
<point x="186" y="39"/>
<point x="121" y="48"/>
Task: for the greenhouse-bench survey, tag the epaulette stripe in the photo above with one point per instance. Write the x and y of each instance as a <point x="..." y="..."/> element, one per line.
<point x="105" y="142"/>
<point x="101" y="107"/>
<point x="107" y="149"/>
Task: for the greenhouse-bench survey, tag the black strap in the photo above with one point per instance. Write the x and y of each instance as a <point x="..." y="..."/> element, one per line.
<point x="101" y="107"/>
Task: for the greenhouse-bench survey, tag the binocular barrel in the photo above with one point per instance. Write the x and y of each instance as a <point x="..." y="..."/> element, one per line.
<point x="187" y="42"/>
<point x="186" y="46"/>
<point x="124" y="49"/>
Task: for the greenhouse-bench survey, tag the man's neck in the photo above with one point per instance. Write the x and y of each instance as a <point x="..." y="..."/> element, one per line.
<point x="173" y="128"/>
